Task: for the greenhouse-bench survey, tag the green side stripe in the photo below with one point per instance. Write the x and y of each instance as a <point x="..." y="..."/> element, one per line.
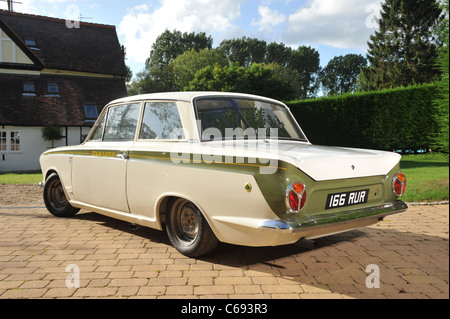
<point x="272" y="185"/>
<point x="187" y="158"/>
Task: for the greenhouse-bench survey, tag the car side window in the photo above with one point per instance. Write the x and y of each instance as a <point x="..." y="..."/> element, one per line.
<point x="97" y="135"/>
<point x="121" y="123"/>
<point x="161" y="120"/>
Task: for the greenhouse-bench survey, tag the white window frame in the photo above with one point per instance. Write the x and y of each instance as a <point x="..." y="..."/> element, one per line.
<point x="8" y="141"/>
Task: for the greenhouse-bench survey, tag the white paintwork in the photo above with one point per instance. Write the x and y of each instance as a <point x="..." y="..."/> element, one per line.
<point x="319" y="162"/>
<point x="328" y="163"/>
<point x="32" y="145"/>
<point x="101" y="175"/>
<point x="133" y="189"/>
<point x="187" y="96"/>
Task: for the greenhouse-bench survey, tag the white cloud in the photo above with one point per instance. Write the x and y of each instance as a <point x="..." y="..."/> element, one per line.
<point x="341" y="24"/>
<point x="143" y="24"/>
<point x="269" y="18"/>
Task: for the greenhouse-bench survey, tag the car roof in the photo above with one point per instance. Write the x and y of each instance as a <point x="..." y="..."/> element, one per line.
<point x="188" y="96"/>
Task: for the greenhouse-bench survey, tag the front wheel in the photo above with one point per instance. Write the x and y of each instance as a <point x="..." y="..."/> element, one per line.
<point x="188" y="230"/>
<point x="55" y="199"/>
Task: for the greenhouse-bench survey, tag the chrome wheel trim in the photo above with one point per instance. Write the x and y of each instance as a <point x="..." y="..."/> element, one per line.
<point x="185" y="222"/>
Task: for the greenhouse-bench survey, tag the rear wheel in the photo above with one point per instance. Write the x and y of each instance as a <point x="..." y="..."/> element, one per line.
<point x="55" y="199"/>
<point x="188" y="230"/>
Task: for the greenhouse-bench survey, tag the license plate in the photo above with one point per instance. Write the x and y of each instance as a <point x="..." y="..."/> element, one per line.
<point x="347" y="199"/>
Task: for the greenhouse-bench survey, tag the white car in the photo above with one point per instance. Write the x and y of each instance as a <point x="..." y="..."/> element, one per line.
<point x="214" y="167"/>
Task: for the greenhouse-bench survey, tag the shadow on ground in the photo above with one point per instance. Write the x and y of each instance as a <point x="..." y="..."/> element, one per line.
<point x="411" y="265"/>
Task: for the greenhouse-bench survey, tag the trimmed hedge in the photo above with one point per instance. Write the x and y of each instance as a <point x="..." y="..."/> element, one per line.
<point x="394" y="119"/>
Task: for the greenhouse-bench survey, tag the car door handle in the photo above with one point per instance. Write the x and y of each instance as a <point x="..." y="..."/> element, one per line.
<point x="123" y="156"/>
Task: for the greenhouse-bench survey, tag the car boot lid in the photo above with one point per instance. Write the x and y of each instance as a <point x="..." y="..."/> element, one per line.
<point x="330" y="163"/>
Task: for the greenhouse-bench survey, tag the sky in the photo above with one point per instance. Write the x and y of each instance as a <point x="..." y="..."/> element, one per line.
<point x="332" y="27"/>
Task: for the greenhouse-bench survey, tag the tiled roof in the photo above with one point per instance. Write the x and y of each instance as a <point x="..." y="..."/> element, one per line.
<point x="65" y="108"/>
<point x="90" y="48"/>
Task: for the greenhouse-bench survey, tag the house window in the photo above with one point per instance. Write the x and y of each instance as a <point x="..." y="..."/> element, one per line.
<point x="3" y="141"/>
<point x="90" y="111"/>
<point x="31" y="42"/>
<point x="28" y="88"/>
<point x="9" y="141"/>
<point x="15" y="141"/>
<point x="53" y="88"/>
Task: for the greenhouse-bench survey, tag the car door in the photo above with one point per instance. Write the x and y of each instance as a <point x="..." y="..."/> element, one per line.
<point x="99" y="173"/>
<point x="166" y="126"/>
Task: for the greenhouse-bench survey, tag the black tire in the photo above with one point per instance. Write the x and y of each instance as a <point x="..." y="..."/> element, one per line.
<point x="188" y="230"/>
<point x="55" y="199"/>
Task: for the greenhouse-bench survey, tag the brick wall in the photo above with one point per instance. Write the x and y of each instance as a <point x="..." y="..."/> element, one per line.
<point x="65" y="109"/>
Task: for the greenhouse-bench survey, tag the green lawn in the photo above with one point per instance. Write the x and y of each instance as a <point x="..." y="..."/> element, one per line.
<point x="21" y="178"/>
<point x="426" y="175"/>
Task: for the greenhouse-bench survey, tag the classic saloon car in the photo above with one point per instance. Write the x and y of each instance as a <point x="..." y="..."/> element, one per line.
<point x="215" y="167"/>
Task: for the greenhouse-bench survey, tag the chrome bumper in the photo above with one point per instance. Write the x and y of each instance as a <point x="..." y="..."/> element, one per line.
<point x="357" y="217"/>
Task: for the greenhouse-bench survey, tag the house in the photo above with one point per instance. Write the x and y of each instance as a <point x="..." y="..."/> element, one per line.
<point x="53" y="73"/>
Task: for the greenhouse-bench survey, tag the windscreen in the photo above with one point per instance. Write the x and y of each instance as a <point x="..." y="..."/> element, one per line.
<point x="233" y="118"/>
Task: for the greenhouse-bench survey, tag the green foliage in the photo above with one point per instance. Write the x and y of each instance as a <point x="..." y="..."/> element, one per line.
<point x="171" y="44"/>
<point x="186" y="65"/>
<point x="244" y="51"/>
<point x="158" y="75"/>
<point x="257" y="79"/>
<point x="441" y="100"/>
<point x="305" y="62"/>
<point x="52" y="133"/>
<point x="302" y="65"/>
<point x="278" y="53"/>
<point x="158" y="80"/>
<point x="402" y="52"/>
<point x="175" y="58"/>
<point x="341" y="73"/>
<point x="400" y="118"/>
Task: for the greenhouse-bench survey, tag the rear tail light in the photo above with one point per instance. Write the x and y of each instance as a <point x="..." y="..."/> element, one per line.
<point x="399" y="184"/>
<point x="296" y="197"/>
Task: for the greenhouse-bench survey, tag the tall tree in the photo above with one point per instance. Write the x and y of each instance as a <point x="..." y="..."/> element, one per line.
<point x="403" y="50"/>
<point x="244" y="51"/>
<point x="305" y="62"/>
<point x="186" y="65"/>
<point x="278" y="53"/>
<point x="442" y="98"/>
<point x="171" y="44"/>
<point x="257" y="79"/>
<point x="175" y="57"/>
<point x="341" y="73"/>
<point x="158" y="74"/>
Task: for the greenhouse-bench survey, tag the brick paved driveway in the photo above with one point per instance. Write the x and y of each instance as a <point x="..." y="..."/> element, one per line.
<point x="410" y="250"/>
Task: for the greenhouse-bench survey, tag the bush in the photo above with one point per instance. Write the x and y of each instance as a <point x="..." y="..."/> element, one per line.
<point x="52" y="133"/>
<point x="258" y="79"/>
<point x="400" y="118"/>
